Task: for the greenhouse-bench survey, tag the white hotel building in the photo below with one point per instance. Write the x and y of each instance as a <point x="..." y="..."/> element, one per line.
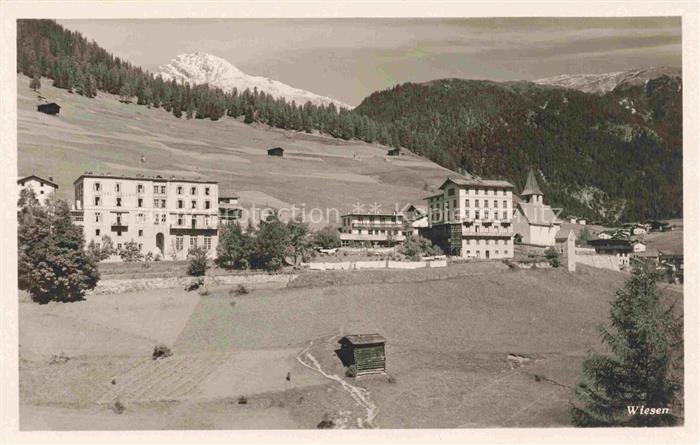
<point x="472" y="218"/>
<point x="164" y="216"/>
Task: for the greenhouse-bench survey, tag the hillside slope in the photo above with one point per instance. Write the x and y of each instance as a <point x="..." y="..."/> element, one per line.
<point x="104" y="135"/>
<point x="612" y="156"/>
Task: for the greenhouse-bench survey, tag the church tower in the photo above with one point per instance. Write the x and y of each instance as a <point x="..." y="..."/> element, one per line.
<point x="532" y="192"/>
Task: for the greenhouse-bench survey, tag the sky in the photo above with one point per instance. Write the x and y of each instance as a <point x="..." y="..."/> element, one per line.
<point x="348" y="59"/>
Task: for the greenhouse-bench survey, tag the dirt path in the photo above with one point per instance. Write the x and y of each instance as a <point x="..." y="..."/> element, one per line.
<point x="359" y="395"/>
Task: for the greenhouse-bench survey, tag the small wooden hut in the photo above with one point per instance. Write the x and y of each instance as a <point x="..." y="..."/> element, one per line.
<point x="51" y="108"/>
<point x="365" y="351"/>
<point x="275" y="151"/>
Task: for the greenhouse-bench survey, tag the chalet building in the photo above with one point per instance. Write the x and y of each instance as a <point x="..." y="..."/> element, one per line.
<point x="472" y="218"/>
<point x="417" y="217"/>
<point x="376" y="229"/>
<point x="366" y="352"/>
<point x="620" y="248"/>
<point x="275" y="151"/>
<point x="50" y="108"/>
<point x="43" y="188"/>
<point x="229" y="210"/>
<point x="394" y="152"/>
<point x="164" y="216"/>
<point x="534" y="220"/>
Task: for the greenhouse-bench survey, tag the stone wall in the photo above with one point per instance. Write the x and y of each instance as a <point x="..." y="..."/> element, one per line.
<point x="610" y="262"/>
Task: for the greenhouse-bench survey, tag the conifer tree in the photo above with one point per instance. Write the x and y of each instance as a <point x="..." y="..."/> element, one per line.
<point x="637" y="373"/>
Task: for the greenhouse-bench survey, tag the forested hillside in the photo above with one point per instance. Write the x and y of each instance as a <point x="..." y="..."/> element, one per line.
<point x="609" y="156"/>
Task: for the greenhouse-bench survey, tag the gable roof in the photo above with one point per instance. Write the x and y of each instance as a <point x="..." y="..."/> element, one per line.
<point x="531" y="185"/>
<point x="21" y="181"/>
<point x="563" y="234"/>
<point x="475" y="182"/>
<point x="363" y="339"/>
<point x="538" y="214"/>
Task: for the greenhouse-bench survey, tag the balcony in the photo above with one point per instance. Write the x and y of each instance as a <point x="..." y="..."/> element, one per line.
<point x="119" y="226"/>
<point x="193" y="228"/>
<point x="367" y="237"/>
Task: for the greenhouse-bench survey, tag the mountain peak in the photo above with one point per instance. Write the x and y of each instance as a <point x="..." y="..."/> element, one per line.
<point x="198" y="68"/>
<point x="606" y="82"/>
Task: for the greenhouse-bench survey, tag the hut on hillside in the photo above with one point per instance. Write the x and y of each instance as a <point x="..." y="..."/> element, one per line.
<point x="275" y="151"/>
<point x="394" y="152"/>
<point x="50" y="108"/>
<point x="365" y="351"/>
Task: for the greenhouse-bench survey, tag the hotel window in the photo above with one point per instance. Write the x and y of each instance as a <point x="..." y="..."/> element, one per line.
<point x="505" y="203"/>
<point x="194" y="204"/>
<point x="476" y="214"/>
<point x="206" y="191"/>
<point x="179" y="203"/>
<point x="119" y="202"/>
<point x="140" y="232"/>
<point x="486" y="214"/>
<point x="179" y="243"/>
<point x="193" y="191"/>
<point x="97" y="200"/>
<point x="180" y="220"/>
<point x="206" y="221"/>
<point x="97" y="187"/>
<point x="139" y="188"/>
<point x="155" y="189"/>
<point x="98" y="217"/>
<point x="139" y="202"/>
<point x="179" y="190"/>
<point x="207" y="204"/>
<point x="207" y="242"/>
<point x="505" y="215"/>
<point x="162" y="189"/>
<point x="140" y="246"/>
<point x="476" y="203"/>
<point x="193" y="242"/>
<point x="486" y="203"/>
<point x="97" y="232"/>
<point x="118" y="187"/>
<point x="163" y="218"/>
<point x="156" y="219"/>
<point x="162" y="203"/>
<point x="119" y="246"/>
<point x="495" y="204"/>
<point x="155" y="203"/>
<point x="119" y="233"/>
<point x="466" y="203"/>
<point x="450" y="192"/>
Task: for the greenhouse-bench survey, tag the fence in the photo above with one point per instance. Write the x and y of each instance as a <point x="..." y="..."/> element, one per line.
<point x="384" y="264"/>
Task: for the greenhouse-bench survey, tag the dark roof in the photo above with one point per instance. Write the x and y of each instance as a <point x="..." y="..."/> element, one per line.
<point x="363" y="339"/>
<point x="143" y="178"/>
<point x="372" y="214"/>
<point x="531" y="186"/>
<point x="275" y="149"/>
<point x="609" y="242"/>
<point x="475" y="182"/>
<point x="45" y="181"/>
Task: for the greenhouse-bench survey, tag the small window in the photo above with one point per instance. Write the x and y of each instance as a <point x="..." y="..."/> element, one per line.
<point x="505" y="203"/>
<point x="97" y="200"/>
<point x="139" y="188"/>
<point x="207" y="242"/>
<point x="140" y="246"/>
<point x="119" y="202"/>
<point x="179" y="190"/>
<point x="162" y="189"/>
<point x="98" y="217"/>
<point x="180" y="220"/>
<point x="476" y="203"/>
<point x="97" y="232"/>
<point x="119" y="233"/>
<point x="206" y="191"/>
<point x="155" y="203"/>
<point x="193" y="191"/>
<point x="162" y="218"/>
<point x="194" y="204"/>
<point x="118" y="187"/>
<point x="179" y="203"/>
<point x="495" y="204"/>
<point x="140" y="232"/>
<point x="162" y="203"/>
<point x="119" y="245"/>
<point x="155" y="189"/>
<point x="179" y="243"/>
<point x="140" y="202"/>
<point x="207" y="204"/>
<point x="193" y="242"/>
<point x="97" y="187"/>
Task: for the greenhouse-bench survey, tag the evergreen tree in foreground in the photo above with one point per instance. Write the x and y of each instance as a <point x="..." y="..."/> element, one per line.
<point x="637" y="373"/>
<point x="52" y="262"/>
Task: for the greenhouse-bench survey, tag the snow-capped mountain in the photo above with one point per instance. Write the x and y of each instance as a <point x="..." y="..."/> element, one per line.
<point x="603" y="83"/>
<point x="200" y="68"/>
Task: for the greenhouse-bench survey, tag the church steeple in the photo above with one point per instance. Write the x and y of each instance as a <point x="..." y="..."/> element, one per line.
<point x="532" y="192"/>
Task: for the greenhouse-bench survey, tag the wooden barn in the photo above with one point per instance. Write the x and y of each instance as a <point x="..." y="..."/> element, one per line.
<point x="275" y="151"/>
<point x="365" y="351"/>
<point x="394" y="152"/>
<point x="51" y="108"/>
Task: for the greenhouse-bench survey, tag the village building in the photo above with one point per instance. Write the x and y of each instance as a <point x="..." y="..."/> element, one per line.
<point x="394" y="152"/>
<point x="43" y="188"/>
<point x="50" y="108"/>
<point x="372" y="229"/>
<point x="472" y="218"/>
<point x="619" y="248"/>
<point x="535" y="221"/>
<point x="417" y="217"/>
<point x="229" y="210"/>
<point x="566" y="246"/>
<point x="275" y="151"/>
<point x="166" y="217"/>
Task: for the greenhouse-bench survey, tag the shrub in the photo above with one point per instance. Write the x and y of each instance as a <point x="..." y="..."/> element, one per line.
<point x="326" y="238"/>
<point x="240" y="290"/>
<point x="194" y="285"/>
<point x="161" y="351"/>
<point x="118" y="406"/>
<point x="326" y="423"/>
<point x="552" y="256"/>
<point x="131" y="252"/>
<point x="242" y="400"/>
<point x="198" y="261"/>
